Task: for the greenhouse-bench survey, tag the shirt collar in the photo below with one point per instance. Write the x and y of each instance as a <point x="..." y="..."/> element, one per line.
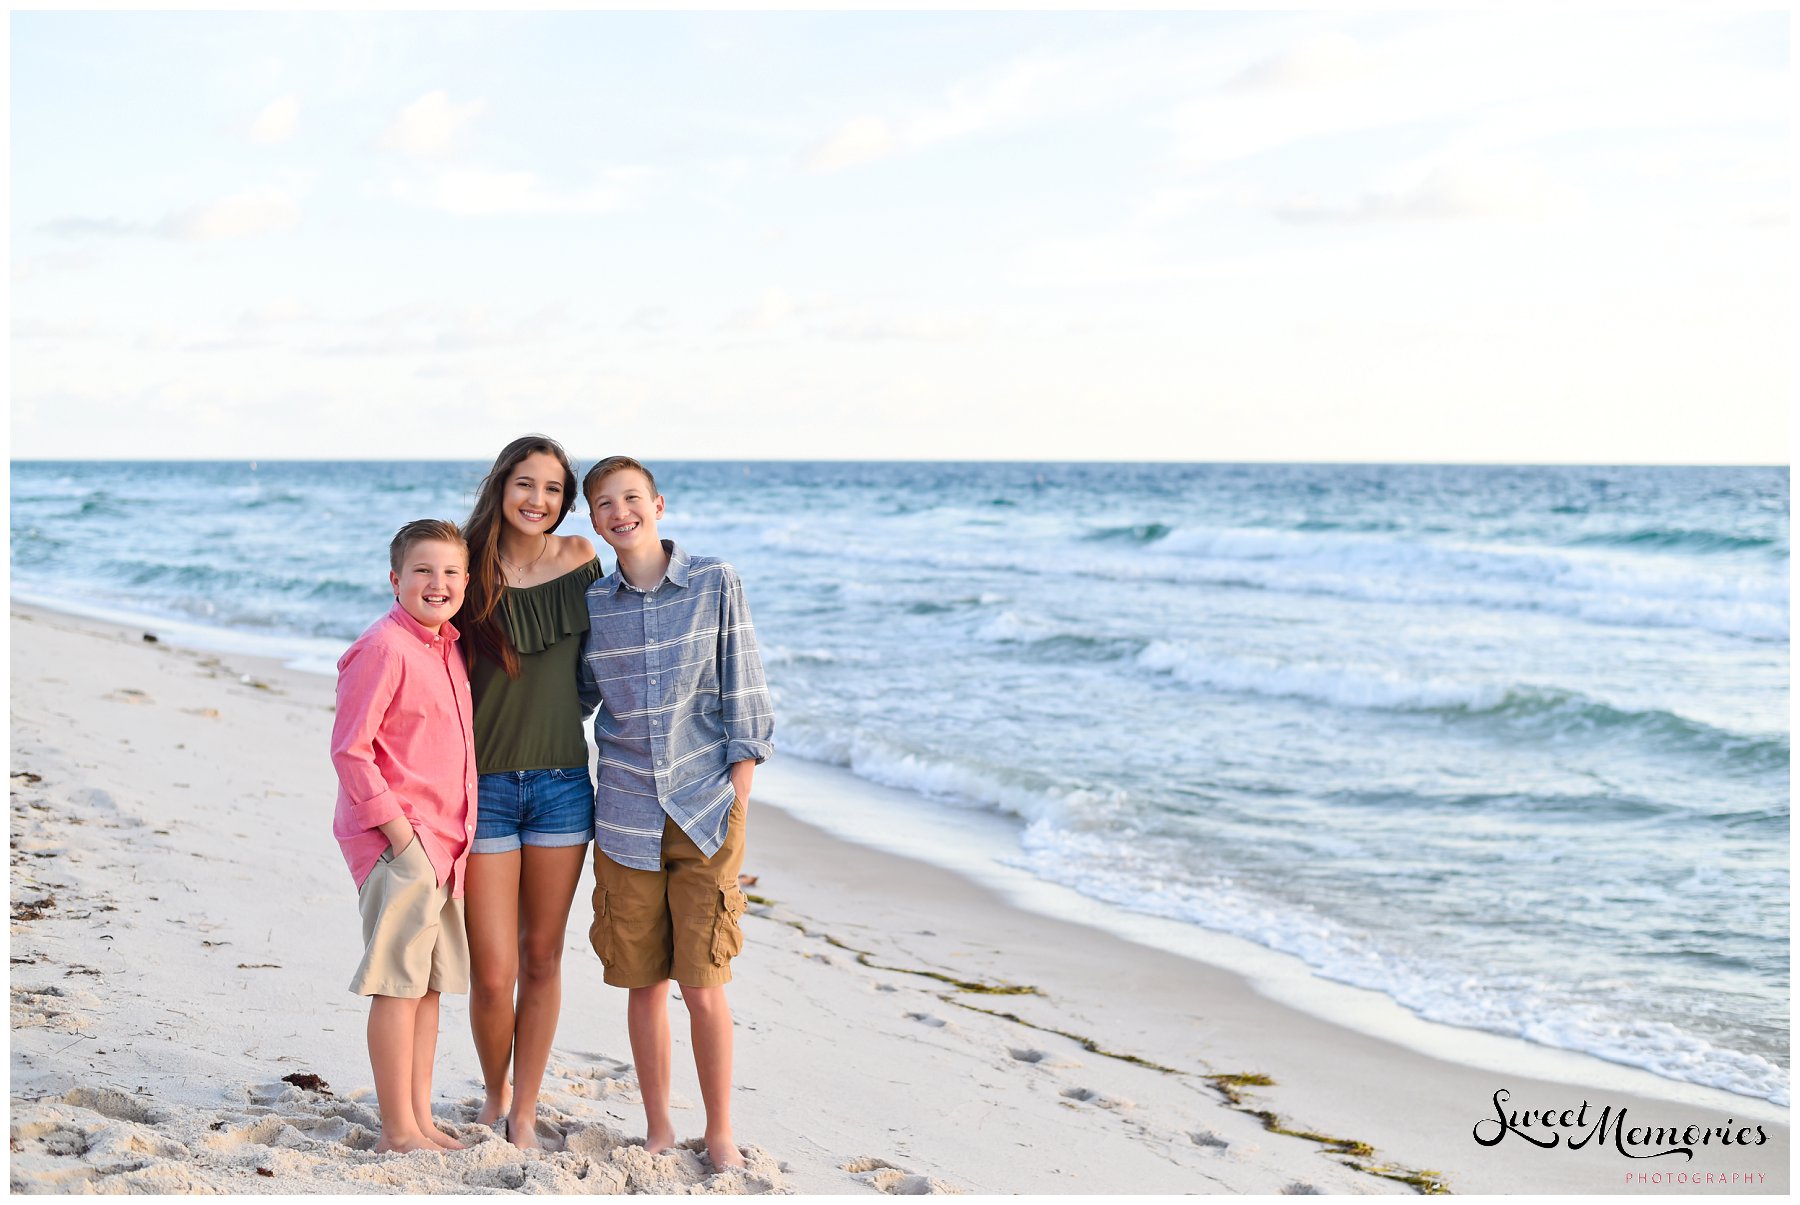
<point x="676" y="574"/>
<point x="425" y="636"/>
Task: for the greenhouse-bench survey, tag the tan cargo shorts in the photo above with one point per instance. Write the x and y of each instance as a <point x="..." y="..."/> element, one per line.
<point x="413" y="935"/>
<point x="680" y="922"/>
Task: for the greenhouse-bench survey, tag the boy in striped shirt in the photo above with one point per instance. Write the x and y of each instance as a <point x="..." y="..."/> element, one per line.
<point x="683" y="719"/>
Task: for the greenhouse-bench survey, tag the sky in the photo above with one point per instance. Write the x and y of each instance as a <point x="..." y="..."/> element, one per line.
<point x="1530" y="237"/>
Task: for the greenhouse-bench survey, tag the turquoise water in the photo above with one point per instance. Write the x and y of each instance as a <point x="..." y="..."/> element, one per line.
<point x="1509" y="744"/>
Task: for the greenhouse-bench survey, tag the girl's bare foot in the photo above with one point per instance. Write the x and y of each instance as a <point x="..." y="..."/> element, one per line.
<point x="440" y="1139"/>
<point x="404" y="1142"/>
<point x="522" y="1132"/>
<point x="723" y="1152"/>
<point x="659" y="1138"/>
<point x="494" y="1107"/>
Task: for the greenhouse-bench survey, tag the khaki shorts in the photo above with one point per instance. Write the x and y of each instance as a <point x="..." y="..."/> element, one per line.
<point x="680" y="922"/>
<point x="413" y="935"/>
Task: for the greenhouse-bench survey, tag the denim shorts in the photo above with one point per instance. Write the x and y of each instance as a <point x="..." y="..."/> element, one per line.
<point x="533" y="807"/>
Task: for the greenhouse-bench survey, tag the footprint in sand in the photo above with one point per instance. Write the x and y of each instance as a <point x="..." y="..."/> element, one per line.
<point x="1209" y="1142"/>
<point x="297" y="1133"/>
<point x="1088" y="1096"/>
<point x="1034" y="1057"/>
<point x="894" y="1180"/>
<point x="110" y="1102"/>
<point x="927" y="1019"/>
<point x="585" y="1077"/>
<point x="1299" y="1188"/>
<point x="606" y="1063"/>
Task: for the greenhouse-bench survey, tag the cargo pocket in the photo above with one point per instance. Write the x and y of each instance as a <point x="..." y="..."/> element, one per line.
<point x="728" y="935"/>
<point x="600" y="932"/>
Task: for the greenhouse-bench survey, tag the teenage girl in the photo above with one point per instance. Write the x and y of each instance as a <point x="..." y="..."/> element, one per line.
<point x="524" y="617"/>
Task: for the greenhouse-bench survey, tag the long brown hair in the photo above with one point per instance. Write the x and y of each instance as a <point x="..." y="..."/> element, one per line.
<point x="487" y="583"/>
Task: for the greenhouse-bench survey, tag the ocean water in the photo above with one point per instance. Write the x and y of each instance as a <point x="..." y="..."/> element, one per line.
<point x="1508" y="744"/>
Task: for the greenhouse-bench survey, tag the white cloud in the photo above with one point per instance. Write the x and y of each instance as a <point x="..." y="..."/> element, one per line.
<point x="1141" y="250"/>
<point x="859" y="140"/>
<point x="478" y="192"/>
<point x="922" y="328"/>
<point x="278" y="122"/>
<point x="229" y="343"/>
<point x="430" y="125"/>
<point x="264" y="210"/>
<point x="1490" y="81"/>
<point x="242" y="215"/>
<point x="771" y="312"/>
<point x="1314" y="62"/>
<point x="648" y="320"/>
<point x="828" y="317"/>
<point x="84" y="227"/>
<point x="1166" y="204"/>
<point x="1125" y="257"/>
<point x="1013" y="95"/>
<point x="730" y="170"/>
<point x="1483" y="188"/>
<point x="50" y="329"/>
<point x="284" y="312"/>
<point x="1762" y="217"/>
<point x="31" y="267"/>
<point x="429" y="329"/>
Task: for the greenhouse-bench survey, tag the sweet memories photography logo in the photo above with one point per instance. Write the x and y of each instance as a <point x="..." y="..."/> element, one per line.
<point x="1577" y="1128"/>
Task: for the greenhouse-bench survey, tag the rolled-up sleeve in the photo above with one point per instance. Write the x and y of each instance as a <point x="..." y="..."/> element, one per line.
<point x="367" y="680"/>
<point x="749" y="714"/>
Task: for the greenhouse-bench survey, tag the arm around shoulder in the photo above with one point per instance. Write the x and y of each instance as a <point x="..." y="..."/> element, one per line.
<point x="587" y="691"/>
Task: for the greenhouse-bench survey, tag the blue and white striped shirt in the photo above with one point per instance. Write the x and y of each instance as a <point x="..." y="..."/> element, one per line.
<point x="679" y="684"/>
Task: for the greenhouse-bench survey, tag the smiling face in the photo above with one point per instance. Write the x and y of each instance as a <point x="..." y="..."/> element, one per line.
<point x="531" y="501"/>
<point x="431" y="580"/>
<point x="625" y="509"/>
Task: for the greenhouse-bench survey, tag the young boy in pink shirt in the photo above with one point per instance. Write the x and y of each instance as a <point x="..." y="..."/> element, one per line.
<point x="404" y="748"/>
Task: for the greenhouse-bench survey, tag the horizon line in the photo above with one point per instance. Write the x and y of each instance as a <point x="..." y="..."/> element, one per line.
<point x="1546" y="464"/>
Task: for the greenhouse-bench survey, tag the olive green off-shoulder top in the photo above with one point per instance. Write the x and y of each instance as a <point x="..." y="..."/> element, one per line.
<point x="533" y="721"/>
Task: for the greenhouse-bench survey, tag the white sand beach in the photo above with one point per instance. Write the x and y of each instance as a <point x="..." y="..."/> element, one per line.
<point x="183" y="927"/>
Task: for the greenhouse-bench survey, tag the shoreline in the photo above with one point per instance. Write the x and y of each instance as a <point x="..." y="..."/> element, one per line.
<point x="816" y="795"/>
<point x="901" y="822"/>
<point x="848" y="999"/>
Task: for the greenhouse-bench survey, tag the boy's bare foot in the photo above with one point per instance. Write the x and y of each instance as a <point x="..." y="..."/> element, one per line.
<point x="494" y="1107"/>
<point x="724" y="1153"/>
<point x="404" y="1142"/>
<point x="659" y="1138"/>
<point x="522" y="1132"/>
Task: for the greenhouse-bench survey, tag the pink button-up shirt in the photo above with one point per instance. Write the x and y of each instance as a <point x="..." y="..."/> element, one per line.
<point x="403" y="744"/>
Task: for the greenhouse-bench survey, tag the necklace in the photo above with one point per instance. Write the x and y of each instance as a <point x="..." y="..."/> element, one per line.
<point x="522" y="570"/>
